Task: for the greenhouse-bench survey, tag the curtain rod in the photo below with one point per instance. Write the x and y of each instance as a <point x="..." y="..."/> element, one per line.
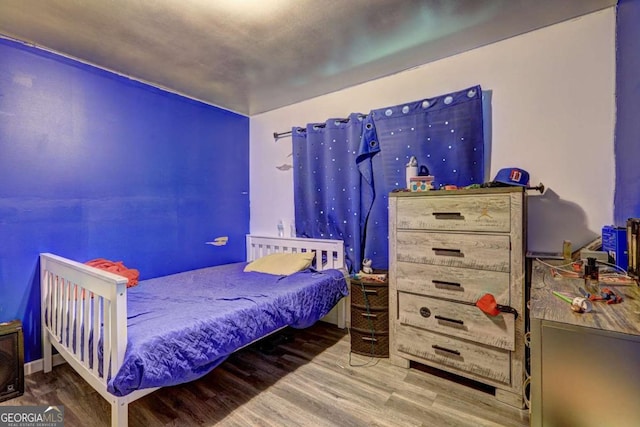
<point x="278" y="135"/>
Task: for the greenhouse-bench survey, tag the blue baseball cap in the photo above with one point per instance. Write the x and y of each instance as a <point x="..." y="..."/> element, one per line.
<point x="512" y="176"/>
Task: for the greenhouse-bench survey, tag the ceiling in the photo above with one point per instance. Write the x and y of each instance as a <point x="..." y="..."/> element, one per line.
<point x="252" y="56"/>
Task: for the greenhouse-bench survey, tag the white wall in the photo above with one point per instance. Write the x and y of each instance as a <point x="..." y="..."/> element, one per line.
<point x="552" y="97"/>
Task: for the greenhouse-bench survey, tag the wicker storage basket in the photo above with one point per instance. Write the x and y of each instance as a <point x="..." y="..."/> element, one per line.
<point x="367" y="320"/>
<point x="370" y="318"/>
<point x="370" y="343"/>
<point x="372" y="295"/>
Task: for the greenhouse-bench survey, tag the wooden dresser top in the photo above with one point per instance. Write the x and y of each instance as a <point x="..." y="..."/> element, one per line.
<point x="472" y="191"/>
<point x="622" y="318"/>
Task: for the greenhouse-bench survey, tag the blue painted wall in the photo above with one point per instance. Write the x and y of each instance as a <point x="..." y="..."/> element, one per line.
<point x="93" y="165"/>
<point x="627" y="138"/>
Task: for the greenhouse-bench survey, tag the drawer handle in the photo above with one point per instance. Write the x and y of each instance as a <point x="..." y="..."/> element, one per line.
<point x="369" y="315"/>
<point x="448" y="319"/>
<point x="372" y="339"/>
<point x="443" y="283"/>
<point x="371" y="291"/>
<point x="447" y="252"/>
<point x="437" y="347"/>
<point x="425" y="312"/>
<point x="448" y="215"/>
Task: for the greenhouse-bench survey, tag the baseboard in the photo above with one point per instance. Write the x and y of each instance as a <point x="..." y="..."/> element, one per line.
<point x="37" y="365"/>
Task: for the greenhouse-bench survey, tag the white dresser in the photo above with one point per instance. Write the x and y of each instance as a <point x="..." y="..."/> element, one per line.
<point x="448" y="249"/>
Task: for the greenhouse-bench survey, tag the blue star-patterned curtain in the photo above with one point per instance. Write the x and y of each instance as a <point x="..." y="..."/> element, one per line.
<point x="444" y="133"/>
<point x="345" y="169"/>
<point x="327" y="184"/>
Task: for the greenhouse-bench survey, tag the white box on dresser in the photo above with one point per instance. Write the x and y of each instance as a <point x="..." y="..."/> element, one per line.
<point x="448" y="249"/>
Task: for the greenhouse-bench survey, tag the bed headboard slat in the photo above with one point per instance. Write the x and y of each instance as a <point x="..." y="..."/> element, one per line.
<point x="331" y="252"/>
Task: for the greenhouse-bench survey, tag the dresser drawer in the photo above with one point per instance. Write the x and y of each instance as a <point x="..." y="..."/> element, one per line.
<point x="372" y="295"/>
<point x="461" y="284"/>
<point x="481" y="360"/>
<point x="364" y="319"/>
<point x="370" y="343"/>
<point x="477" y="251"/>
<point x="456" y="319"/>
<point x="456" y="213"/>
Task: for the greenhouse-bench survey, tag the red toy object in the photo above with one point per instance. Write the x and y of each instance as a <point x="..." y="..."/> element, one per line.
<point x="487" y="303"/>
<point x="607" y="295"/>
<point x="610" y="296"/>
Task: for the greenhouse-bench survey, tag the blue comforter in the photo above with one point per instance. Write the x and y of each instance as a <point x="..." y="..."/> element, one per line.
<point x="182" y="326"/>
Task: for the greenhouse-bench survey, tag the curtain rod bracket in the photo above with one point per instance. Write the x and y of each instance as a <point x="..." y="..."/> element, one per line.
<point x="277" y="136"/>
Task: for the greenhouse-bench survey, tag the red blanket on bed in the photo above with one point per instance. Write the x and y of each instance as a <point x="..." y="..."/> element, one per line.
<point x="116" y="267"/>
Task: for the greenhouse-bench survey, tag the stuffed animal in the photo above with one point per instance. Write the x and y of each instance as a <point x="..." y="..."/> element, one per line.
<point x="366" y="266"/>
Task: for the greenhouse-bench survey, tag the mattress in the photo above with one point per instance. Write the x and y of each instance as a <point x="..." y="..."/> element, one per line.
<point x="180" y="327"/>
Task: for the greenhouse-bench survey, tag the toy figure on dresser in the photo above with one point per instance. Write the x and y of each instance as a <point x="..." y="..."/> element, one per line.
<point x="422" y="182"/>
<point x="418" y="178"/>
<point x="366" y="266"/>
<point x="411" y="171"/>
<point x="367" y="273"/>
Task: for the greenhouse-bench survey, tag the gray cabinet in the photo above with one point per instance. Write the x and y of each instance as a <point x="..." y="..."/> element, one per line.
<point x="448" y="249"/>
<point x="585" y="368"/>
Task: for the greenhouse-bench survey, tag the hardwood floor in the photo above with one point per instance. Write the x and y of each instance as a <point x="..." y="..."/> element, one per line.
<point x="309" y="381"/>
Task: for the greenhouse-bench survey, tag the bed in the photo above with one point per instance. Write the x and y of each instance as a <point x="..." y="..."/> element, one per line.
<point x="127" y="343"/>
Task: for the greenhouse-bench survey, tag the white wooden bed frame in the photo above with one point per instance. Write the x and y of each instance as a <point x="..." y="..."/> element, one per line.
<point x="75" y="296"/>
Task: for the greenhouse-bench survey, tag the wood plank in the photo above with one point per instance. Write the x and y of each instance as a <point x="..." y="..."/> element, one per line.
<point x="459" y="320"/>
<point x="479" y="251"/>
<point x="487" y="212"/>
<point x="479" y="361"/>
<point x="307" y="382"/>
<point x="622" y="318"/>
<point x="461" y="284"/>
